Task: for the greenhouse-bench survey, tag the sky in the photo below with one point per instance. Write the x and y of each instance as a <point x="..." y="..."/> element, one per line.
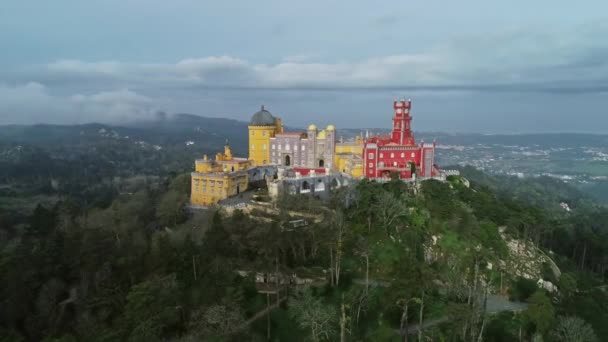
<point x="468" y="66"/>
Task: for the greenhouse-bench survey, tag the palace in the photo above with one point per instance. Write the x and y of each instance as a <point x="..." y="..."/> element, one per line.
<point x="214" y="180"/>
<point x="398" y="152"/>
<point x="314" y="153"/>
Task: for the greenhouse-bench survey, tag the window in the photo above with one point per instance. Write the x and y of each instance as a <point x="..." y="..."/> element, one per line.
<point x="303" y="148"/>
<point x="371" y="165"/>
<point x="252" y="146"/>
<point x="287" y="147"/>
<point x="295" y="147"/>
<point x="413" y="154"/>
<point x="252" y="133"/>
<point x="392" y="155"/>
<point x="381" y="155"/>
<point x="370" y="156"/>
<point x="402" y="155"/>
<point x="381" y="164"/>
<point x="263" y="133"/>
<point x="273" y="146"/>
<point x="394" y="163"/>
<point x="264" y="148"/>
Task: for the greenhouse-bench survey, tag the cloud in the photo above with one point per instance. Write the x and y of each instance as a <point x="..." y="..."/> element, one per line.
<point x="514" y="61"/>
<point x="32" y="102"/>
<point x="508" y="61"/>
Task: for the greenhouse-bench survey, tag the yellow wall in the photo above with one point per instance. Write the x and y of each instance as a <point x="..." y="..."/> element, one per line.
<point x="208" y="189"/>
<point x="214" y="180"/>
<point x="259" y="142"/>
<point x="348" y="157"/>
<point x="349" y="148"/>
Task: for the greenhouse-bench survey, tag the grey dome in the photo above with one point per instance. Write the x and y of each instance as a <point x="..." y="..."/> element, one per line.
<point x="262" y="118"/>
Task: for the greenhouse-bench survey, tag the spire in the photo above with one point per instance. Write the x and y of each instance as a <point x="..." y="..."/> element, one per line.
<point x="226" y="143"/>
<point x="262" y="107"/>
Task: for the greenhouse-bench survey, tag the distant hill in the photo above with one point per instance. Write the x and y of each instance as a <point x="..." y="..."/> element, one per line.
<point x="208" y="133"/>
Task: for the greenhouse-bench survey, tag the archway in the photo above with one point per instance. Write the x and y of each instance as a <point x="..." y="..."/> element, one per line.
<point x="320" y="185"/>
<point x="321" y="163"/>
<point x="287" y="160"/>
<point x="334" y="184"/>
<point x="238" y="189"/>
<point x="305" y="186"/>
<point x="232" y="169"/>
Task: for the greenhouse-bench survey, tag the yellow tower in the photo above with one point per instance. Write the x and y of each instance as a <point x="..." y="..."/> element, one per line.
<point x="262" y="127"/>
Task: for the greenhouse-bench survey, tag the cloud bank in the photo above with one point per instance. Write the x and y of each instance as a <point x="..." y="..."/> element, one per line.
<point x="512" y="62"/>
<point x="32" y="102"/>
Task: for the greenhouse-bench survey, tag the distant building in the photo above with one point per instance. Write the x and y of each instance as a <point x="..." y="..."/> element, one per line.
<point x="214" y="180"/>
<point x="398" y="152"/>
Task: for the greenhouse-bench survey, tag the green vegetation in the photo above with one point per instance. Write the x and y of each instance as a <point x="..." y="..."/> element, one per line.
<point x="96" y="244"/>
<point x="383" y="259"/>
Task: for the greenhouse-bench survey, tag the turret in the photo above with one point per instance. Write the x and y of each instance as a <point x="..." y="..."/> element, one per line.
<point x="402" y="121"/>
<point x="227" y="151"/>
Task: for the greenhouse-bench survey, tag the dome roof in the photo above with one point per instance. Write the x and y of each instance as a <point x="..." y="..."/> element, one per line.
<point x="331" y="128"/>
<point x="262" y="118"/>
<point x="312" y="128"/>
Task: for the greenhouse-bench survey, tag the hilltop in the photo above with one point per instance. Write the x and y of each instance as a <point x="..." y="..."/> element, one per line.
<point x="374" y="262"/>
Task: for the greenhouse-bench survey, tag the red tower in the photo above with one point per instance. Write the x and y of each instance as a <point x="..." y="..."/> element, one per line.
<point x="402" y="123"/>
<point x="398" y="153"/>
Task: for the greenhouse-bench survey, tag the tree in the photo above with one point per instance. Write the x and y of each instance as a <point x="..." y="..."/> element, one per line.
<point x="567" y="284"/>
<point x="311" y="313"/>
<point x="389" y="208"/>
<point x="336" y="248"/>
<point x="573" y="329"/>
<point x="151" y="308"/>
<point x="363" y="249"/>
<point x="170" y="210"/>
<point x="216" y="320"/>
<point x="540" y="311"/>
